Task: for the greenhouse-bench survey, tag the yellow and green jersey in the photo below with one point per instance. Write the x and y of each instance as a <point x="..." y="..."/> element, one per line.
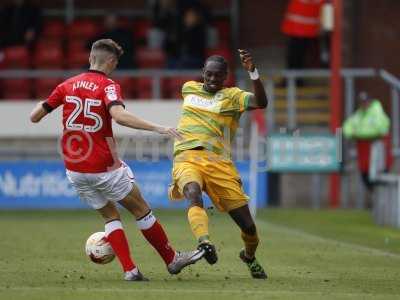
<point x="210" y="120"/>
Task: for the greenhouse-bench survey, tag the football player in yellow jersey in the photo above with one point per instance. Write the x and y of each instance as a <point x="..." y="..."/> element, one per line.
<point x="202" y="161"/>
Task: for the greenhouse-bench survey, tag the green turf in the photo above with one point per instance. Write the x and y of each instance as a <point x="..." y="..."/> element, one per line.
<point x="308" y="255"/>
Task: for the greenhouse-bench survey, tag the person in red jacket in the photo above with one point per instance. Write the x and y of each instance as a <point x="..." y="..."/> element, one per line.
<point x="302" y="25"/>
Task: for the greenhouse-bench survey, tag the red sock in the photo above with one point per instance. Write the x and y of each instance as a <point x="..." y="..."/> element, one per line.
<point x="156" y="236"/>
<point x="116" y="237"/>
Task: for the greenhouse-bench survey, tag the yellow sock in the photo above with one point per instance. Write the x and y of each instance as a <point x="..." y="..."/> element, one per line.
<point x="250" y="244"/>
<point x="198" y="221"/>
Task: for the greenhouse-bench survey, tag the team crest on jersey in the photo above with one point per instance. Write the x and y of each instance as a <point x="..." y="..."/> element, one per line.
<point x="111" y="92"/>
<point x="218" y="96"/>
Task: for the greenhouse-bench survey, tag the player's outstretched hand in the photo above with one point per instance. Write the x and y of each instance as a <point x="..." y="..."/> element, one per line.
<point x="171" y="131"/>
<point x="247" y="60"/>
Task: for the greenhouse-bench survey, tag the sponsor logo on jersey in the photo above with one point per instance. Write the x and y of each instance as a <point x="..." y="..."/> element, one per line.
<point x="212" y="104"/>
<point x="218" y="96"/>
<point x="111" y="92"/>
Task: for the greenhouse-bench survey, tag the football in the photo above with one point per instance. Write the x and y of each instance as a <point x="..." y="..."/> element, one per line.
<point x="98" y="249"/>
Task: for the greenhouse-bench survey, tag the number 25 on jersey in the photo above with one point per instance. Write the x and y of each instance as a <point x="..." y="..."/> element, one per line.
<point x="71" y="123"/>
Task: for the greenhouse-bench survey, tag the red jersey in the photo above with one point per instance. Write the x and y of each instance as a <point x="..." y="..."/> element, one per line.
<point x="88" y="144"/>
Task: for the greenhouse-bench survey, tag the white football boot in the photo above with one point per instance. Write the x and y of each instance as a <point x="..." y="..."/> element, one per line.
<point x="134" y="275"/>
<point x="183" y="259"/>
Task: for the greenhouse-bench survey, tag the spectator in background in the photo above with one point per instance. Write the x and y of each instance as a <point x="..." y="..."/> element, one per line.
<point x="301" y="25"/>
<point x="20" y="24"/>
<point x="192" y="40"/>
<point x="166" y="20"/>
<point x="368" y="124"/>
<point x="114" y="29"/>
<point x="184" y="28"/>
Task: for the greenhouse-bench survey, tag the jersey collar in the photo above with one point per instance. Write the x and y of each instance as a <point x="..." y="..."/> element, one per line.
<point x="95" y="71"/>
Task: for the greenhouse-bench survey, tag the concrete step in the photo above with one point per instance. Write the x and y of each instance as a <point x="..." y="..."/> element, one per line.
<point x="301" y="103"/>
<point x="312" y="106"/>
<point x="304" y="91"/>
<point x="305" y="119"/>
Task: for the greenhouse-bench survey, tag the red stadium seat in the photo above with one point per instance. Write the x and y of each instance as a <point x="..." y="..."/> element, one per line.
<point x="141" y="29"/>
<point x="16" y="57"/>
<point x="48" y="55"/>
<point x="53" y="29"/>
<point x="143" y="88"/>
<point x="17" y="89"/>
<point x="147" y="58"/>
<point x="230" y="81"/>
<point x="127" y="86"/>
<point x="77" y="54"/>
<point x="77" y="45"/>
<point x="223" y="51"/>
<point x="224" y="30"/>
<point x="44" y="86"/>
<point x="172" y="87"/>
<point x="125" y="22"/>
<point x="83" y="29"/>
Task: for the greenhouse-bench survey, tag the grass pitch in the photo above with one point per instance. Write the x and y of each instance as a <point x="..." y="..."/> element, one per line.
<point x="307" y="254"/>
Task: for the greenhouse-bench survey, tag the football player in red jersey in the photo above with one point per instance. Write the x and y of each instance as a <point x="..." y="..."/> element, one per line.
<point x="90" y="100"/>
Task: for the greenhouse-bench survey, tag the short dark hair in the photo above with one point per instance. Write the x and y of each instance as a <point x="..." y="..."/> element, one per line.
<point x="108" y="45"/>
<point x="219" y="59"/>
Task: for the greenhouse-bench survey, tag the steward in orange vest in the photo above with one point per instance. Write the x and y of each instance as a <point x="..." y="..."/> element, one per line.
<point x="302" y="18"/>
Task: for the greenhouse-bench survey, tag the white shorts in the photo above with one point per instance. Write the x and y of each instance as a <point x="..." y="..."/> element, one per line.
<point x="96" y="189"/>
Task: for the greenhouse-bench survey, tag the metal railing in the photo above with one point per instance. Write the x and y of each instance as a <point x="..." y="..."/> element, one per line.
<point x="291" y="76"/>
<point x="394" y="84"/>
<point x="71" y="10"/>
<point x="349" y="76"/>
<point x="155" y="74"/>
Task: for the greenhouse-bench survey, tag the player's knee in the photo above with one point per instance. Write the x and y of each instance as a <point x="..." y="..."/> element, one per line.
<point x="192" y="192"/>
<point x="112" y="215"/>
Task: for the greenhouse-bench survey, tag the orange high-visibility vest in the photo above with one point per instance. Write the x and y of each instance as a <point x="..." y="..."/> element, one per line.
<point x="302" y="18"/>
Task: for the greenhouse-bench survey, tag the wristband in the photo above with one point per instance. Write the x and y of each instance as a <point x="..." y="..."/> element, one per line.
<point x="254" y="75"/>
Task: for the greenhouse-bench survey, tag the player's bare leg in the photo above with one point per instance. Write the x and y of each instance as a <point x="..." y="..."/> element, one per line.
<point x="198" y="221"/>
<point x="155" y="234"/>
<point x="244" y="220"/>
<point x="116" y="237"/>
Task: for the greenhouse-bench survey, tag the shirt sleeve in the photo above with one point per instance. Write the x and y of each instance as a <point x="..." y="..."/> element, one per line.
<point x="54" y="100"/>
<point x="185" y="88"/>
<point x="112" y="95"/>
<point x="241" y="99"/>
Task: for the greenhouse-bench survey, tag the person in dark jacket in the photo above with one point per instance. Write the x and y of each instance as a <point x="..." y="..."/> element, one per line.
<point x="20" y="24"/>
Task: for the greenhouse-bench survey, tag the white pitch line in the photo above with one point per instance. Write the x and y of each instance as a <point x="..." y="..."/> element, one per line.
<point x="315" y="237"/>
<point x="188" y="291"/>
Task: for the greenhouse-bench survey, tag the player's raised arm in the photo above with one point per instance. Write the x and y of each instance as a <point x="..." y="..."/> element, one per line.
<point x="127" y="119"/>
<point x="259" y="100"/>
<point x="38" y="113"/>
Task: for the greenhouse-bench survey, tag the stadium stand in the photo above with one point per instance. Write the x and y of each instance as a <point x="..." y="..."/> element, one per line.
<point x="83" y="29"/>
<point x="127" y="87"/>
<point x="53" y="29"/>
<point x="147" y="58"/>
<point x="143" y="88"/>
<point x="48" y="55"/>
<point x="16" y="57"/>
<point x="223" y="29"/>
<point x="141" y="29"/>
<point x="64" y="46"/>
<point x="17" y="89"/>
<point x="171" y="87"/>
<point x="44" y="86"/>
<point x="77" y="54"/>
